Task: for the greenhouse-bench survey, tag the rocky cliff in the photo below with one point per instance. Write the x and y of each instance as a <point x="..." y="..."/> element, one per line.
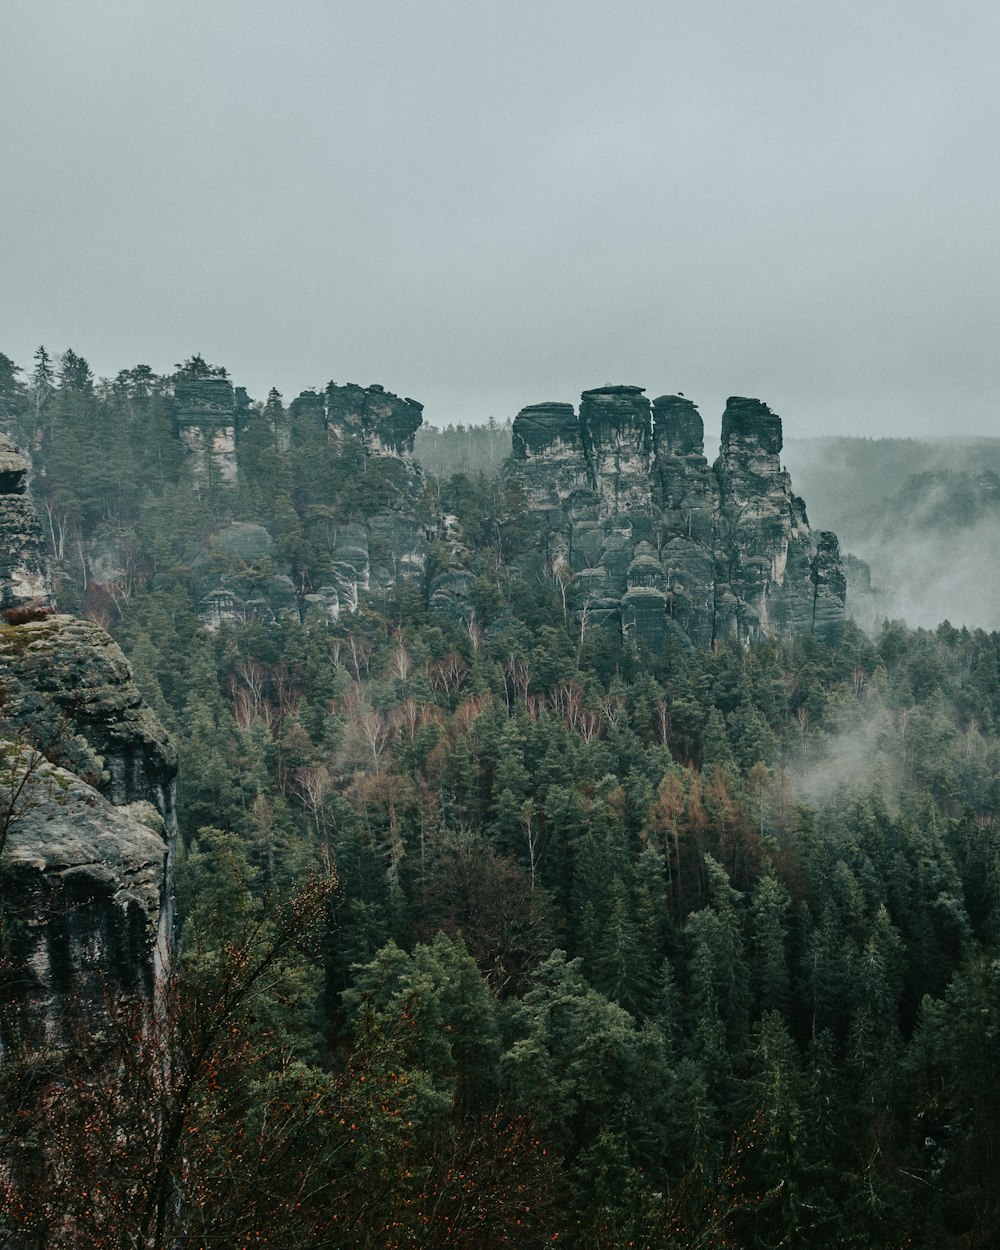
<point x="648" y="535"/>
<point x="369" y="423"/>
<point x="206" y="419"/>
<point x="86" y="793"/>
<point x="24" y="582"/>
<point x="384" y="423"/>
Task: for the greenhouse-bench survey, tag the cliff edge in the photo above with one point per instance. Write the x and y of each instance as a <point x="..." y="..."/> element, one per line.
<point x="86" y="793"/>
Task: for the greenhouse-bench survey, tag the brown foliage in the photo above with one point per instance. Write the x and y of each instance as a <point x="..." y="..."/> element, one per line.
<point x="22" y="613"/>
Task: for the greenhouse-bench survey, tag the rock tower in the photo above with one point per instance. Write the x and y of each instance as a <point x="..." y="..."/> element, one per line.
<point x="655" y="539"/>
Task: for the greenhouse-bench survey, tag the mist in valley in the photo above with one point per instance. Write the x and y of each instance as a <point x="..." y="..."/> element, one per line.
<point x="924" y="515"/>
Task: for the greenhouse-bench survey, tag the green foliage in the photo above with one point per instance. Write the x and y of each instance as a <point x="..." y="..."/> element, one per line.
<point x="673" y="950"/>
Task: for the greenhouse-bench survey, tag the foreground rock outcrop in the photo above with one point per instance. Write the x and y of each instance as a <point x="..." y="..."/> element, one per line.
<point x="650" y="537"/>
<point x="86" y="795"/>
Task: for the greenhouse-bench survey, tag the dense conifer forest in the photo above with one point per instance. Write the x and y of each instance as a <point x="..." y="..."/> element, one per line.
<point x="497" y="932"/>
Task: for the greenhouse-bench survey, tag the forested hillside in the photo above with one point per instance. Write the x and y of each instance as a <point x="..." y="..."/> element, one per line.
<point x="520" y="935"/>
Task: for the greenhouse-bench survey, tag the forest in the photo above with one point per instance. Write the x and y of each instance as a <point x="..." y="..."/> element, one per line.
<point x="498" y="932"/>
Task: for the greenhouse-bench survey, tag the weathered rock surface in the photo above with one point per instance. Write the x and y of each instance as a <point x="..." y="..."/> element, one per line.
<point x="659" y="542"/>
<point x="393" y="543"/>
<point x="68" y="683"/>
<point x="87" y="863"/>
<point x="206" y="418"/>
<point x="765" y="554"/>
<point x="237" y="577"/>
<point x="88" y="907"/>
<point x="384" y="423"/>
<point x="24" y="581"/>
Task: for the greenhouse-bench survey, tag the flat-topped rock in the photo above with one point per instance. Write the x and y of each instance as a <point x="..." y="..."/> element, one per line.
<point x="204" y="400"/>
<point x="546" y="428"/>
<point x="748" y="424"/>
<point x="385" y="424"/>
<point x="616" y="413"/>
<point x="677" y="426"/>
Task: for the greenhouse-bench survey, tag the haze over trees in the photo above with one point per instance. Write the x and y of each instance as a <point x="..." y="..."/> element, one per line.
<point x="521" y="935"/>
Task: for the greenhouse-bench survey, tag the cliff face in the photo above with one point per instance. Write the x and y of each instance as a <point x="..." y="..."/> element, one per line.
<point x="24" y="581"/>
<point x="392" y="543"/>
<point x="207" y="417"/>
<point x="655" y="539"/>
<point x="87" y="849"/>
<point x="384" y="423"/>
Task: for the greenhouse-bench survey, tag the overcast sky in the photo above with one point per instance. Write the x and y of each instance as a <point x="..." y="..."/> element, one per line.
<point x="488" y="203"/>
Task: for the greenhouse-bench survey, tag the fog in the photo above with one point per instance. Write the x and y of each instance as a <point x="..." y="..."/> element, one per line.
<point x="485" y="206"/>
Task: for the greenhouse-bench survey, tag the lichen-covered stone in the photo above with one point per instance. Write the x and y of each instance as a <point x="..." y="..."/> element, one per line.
<point x="69" y="683"/>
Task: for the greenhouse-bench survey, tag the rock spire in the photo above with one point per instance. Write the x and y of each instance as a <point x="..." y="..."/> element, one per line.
<point x="659" y="541"/>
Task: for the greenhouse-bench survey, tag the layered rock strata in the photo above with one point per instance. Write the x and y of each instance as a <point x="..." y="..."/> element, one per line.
<point x="393" y="543"/>
<point x="86" y="852"/>
<point x="24" y="580"/>
<point x="206" y="420"/>
<point x="651" y="538"/>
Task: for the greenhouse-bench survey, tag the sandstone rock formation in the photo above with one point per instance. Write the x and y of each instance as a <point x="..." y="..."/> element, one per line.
<point x="650" y="537"/>
<point x="87" y="839"/>
<point x="644" y="534"/>
<point x="393" y="542"/>
<point x="236" y="577"/>
<point x="384" y="423"/>
<point x="206" y="420"/>
<point x="24" y="579"/>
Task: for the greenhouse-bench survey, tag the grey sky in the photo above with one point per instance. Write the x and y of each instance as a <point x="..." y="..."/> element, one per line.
<point x="487" y="204"/>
